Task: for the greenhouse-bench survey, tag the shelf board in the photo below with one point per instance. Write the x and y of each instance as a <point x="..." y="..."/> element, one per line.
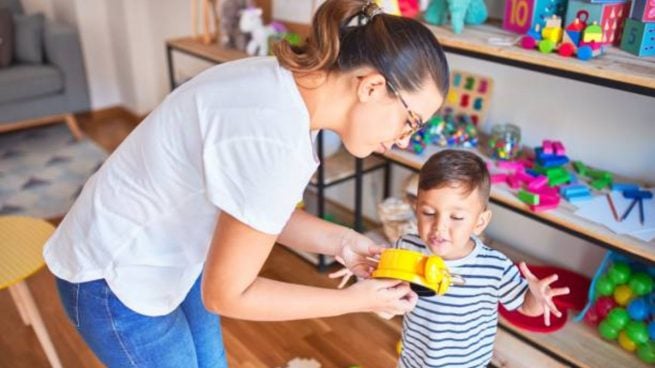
<point x="211" y="52"/>
<point x="577" y="343"/>
<point x="563" y="217"/>
<point x="341" y="166"/>
<point x="616" y="68"/>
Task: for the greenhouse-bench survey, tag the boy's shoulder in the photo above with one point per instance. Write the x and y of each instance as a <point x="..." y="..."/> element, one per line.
<point x="489" y="254"/>
<point x="411" y="242"/>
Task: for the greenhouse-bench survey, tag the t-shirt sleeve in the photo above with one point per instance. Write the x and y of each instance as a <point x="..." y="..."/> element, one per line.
<point x="512" y="287"/>
<point x="258" y="181"/>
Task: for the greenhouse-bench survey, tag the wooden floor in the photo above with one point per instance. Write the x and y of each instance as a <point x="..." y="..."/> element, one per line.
<point x="335" y="342"/>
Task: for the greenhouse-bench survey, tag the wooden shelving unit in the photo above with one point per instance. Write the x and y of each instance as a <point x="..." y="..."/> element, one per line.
<point x="615" y="69"/>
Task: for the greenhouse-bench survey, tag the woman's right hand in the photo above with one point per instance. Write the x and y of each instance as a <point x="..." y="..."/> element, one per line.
<point x="383" y="296"/>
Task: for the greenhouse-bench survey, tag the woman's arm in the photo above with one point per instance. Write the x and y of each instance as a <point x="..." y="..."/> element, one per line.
<point x="307" y="232"/>
<point x="231" y="285"/>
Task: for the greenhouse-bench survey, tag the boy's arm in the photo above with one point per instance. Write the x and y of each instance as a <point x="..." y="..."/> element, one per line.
<point x="539" y="297"/>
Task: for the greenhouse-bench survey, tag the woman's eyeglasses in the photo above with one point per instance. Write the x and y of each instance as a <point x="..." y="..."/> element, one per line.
<point x="414" y="120"/>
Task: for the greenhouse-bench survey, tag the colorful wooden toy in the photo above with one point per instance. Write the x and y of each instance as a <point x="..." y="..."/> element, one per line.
<point x="528" y="198"/>
<point x="639" y="38"/>
<point x="553" y="29"/>
<point x="470" y="95"/>
<point x="643" y="10"/>
<point x="522" y="16"/>
<point x="622" y="187"/>
<point x="610" y="17"/>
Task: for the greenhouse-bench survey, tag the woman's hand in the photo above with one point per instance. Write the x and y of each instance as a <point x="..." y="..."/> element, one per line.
<point x="383" y="296"/>
<point x="355" y="252"/>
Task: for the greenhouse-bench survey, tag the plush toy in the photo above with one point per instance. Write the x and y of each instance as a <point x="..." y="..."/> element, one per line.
<point x="230" y="35"/>
<point x="251" y="22"/>
<point x="461" y="12"/>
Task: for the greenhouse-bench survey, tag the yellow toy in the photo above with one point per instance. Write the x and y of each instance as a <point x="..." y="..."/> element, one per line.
<point x="428" y="275"/>
<point x="553" y="29"/>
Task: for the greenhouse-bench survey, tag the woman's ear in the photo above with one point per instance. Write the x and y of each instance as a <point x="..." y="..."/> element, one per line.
<point x="372" y="87"/>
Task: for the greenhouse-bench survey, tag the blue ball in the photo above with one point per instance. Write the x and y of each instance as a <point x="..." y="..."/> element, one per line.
<point x="638" y="309"/>
<point x="651" y="330"/>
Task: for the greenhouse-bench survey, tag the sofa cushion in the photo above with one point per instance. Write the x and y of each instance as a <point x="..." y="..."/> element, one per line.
<point x="27" y="81"/>
<point x="6" y="37"/>
<point x="13" y="5"/>
<point x="28" y="38"/>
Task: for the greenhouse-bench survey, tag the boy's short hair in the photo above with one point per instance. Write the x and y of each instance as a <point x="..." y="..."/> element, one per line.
<point x="453" y="168"/>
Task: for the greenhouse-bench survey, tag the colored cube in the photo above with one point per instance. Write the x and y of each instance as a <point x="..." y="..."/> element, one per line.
<point x="522" y="16"/>
<point x="639" y="38"/>
<point x="611" y="17"/>
<point x="643" y="10"/>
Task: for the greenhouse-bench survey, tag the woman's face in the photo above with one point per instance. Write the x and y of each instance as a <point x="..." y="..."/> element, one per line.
<point x="379" y="119"/>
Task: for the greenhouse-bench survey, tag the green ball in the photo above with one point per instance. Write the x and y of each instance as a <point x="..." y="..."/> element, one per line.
<point x="618" y="318"/>
<point x="604" y="286"/>
<point x="641" y="283"/>
<point x="637" y="332"/>
<point x="646" y="352"/>
<point x="619" y="273"/>
<point x="546" y="46"/>
<point x="607" y="331"/>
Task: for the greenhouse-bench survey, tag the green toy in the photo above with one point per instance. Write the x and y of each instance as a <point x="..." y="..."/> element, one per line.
<point x="461" y="12"/>
<point x="641" y="283"/>
<point x="607" y="331"/>
<point x="618" y="318"/>
<point x="619" y="273"/>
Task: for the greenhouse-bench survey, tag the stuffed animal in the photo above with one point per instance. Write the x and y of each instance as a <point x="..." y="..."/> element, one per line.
<point x="230" y="35"/>
<point x="460" y="11"/>
<point x="251" y="22"/>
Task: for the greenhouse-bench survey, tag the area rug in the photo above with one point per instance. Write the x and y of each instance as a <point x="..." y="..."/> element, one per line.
<point x="42" y="170"/>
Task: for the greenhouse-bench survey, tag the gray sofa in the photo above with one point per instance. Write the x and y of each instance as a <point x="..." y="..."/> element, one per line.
<point x="32" y="93"/>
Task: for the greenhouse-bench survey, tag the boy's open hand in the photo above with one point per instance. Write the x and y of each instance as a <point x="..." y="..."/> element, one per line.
<point x="539" y="299"/>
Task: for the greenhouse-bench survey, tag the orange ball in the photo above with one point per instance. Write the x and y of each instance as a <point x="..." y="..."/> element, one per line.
<point x="623" y="295"/>
<point x="626" y="343"/>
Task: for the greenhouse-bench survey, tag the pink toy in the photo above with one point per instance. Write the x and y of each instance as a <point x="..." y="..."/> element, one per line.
<point x="409" y="8"/>
<point x="498" y="178"/>
<point x="538" y="182"/>
<point x="559" y="148"/>
<point x="513" y="182"/>
<point x="547" y="147"/>
<point x="509" y="165"/>
<point x="546" y="203"/>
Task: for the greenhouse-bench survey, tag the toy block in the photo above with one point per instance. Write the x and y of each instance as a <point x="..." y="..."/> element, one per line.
<point x="643" y="10"/>
<point x="532" y="172"/>
<point x="622" y="187"/>
<point x="559" y="148"/>
<point x="638" y="194"/>
<point x="600" y="183"/>
<point x="509" y="165"/>
<point x="558" y="179"/>
<point x="528" y="198"/>
<point x="524" y="16"/>
<point x="580" y="168"/>
<point x="599" y="174"/>
<point x="554" y="172"/>
<point x="547" y="147"/>
<point x="572" y="189"/>
<point x="524" y="177"/>
<point x="553" y="29"/>
<point x="610" y="17"/>
<point x="639" y="38"/>
<point x="548" y="203"/>
<point x="547" y="191"/>
<point x="593" y="33"/>
<point x="538" y="182"/>
<point x="513" y="182"/>
<point x="578" y="197"/>
<point x="498" y="178"/>
<point x="553" y="161"/>
<point x="540" y="153"/>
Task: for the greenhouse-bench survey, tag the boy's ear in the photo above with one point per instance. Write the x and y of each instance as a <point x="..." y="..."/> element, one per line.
<point x="483" y="221"/>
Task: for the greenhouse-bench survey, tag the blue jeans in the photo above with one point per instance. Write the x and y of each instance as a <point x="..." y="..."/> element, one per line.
<point x="190" y="336"/>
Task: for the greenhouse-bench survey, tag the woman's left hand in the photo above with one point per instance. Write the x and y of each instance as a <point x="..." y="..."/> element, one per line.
<point x="356" y="252"/>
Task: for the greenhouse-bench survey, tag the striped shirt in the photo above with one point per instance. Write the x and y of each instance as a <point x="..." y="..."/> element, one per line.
<point x="458" y="329"/>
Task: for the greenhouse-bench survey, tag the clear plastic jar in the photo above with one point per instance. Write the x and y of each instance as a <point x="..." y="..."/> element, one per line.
<point x="505" y="142"/>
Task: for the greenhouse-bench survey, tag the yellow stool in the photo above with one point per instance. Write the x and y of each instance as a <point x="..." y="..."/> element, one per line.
<point x="21" y="245"/>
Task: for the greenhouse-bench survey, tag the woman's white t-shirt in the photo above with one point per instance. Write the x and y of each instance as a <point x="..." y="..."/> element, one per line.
<point x="236" y="138"/>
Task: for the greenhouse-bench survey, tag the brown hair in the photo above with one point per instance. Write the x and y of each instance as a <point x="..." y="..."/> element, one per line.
<point x="454" y="168"/>
<point x="403" y="50"/>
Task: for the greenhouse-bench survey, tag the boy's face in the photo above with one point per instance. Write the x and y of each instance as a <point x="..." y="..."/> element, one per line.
<point x="447" y="217"/>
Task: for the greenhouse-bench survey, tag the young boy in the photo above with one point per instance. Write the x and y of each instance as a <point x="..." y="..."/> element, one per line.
<point x="458" y="329"/>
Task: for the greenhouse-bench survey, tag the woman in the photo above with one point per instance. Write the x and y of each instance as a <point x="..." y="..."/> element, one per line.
<point x="174" y="228"/>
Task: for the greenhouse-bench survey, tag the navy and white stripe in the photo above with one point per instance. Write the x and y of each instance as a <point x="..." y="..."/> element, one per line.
<point x="458" y="329"/>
